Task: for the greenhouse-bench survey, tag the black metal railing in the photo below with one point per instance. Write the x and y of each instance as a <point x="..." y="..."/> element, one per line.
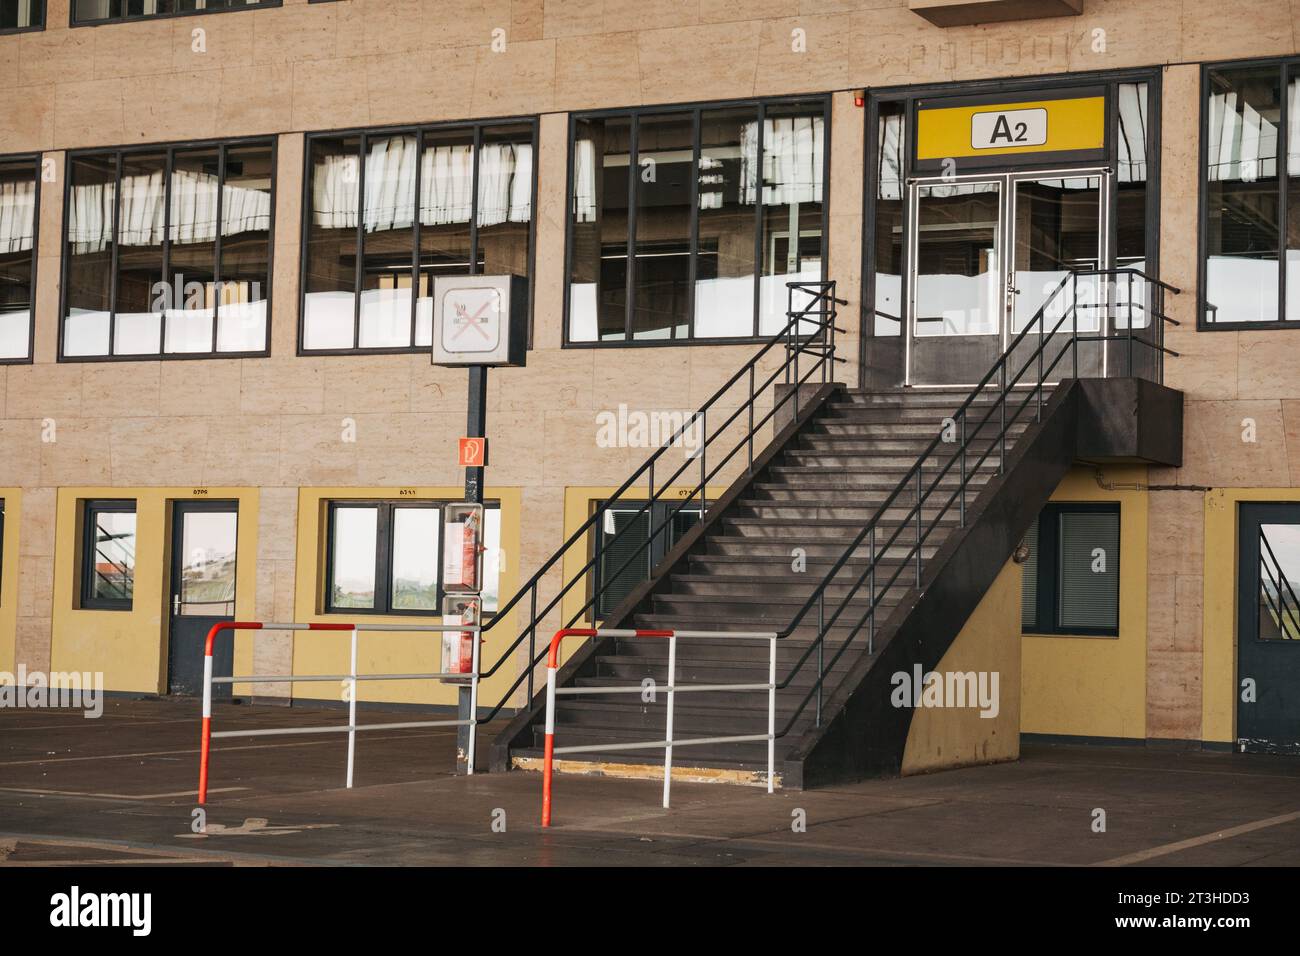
<point x="710" y="444"/>
<point x="1105" y="326"/>
<point x="1277" y="594"/>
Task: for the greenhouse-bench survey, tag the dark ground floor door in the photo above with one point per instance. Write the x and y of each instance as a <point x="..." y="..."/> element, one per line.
<point x="1268" y="629"/>
<point x="204" y="538"/>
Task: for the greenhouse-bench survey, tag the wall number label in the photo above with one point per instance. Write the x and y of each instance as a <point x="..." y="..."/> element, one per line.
<point x="199" y="492"/>
<point x="1005" y="129"/>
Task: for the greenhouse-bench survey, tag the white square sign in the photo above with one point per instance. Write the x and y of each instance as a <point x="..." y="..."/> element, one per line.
<point x="471" y="320"/>
<point x="480" y="320"/>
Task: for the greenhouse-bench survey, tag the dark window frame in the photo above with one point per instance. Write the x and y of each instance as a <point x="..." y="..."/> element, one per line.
<point x="418" y="130"/>
<point x="2" y="550"/>
<point x="1047" y="612"/>
<point x="696" y="109"/>
<point x="141" y="17"/>
<point x="170" y="149"/>
<point x="1288" y="69"/>
<point x="384" y="528"/>
<point x="657" y="513"/>
<point x="35" y="159"/>
<point x="908" y="95"/>
<point x="86" y="572"/>
<point x="44" y="8"/>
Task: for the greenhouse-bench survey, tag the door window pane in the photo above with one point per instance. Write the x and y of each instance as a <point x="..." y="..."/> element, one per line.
<point x="957" y="260"/>
<point x="207" y="584"/>
<point x="352" y="552"/>
<point x="415" y="559"/>
<point x="1241" y="195"/>
<point x="1057" y="230"/>
<point x="1279" y="582"/>
<point x="891" y="144"/>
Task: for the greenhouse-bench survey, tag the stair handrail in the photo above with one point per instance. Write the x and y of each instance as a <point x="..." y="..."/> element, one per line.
<point x="915" y="475"/>
<point x="809" y="330"/>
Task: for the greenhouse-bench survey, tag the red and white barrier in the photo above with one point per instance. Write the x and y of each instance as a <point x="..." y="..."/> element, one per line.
<point x="352" y="678"/>
<point x="673" y="688"/>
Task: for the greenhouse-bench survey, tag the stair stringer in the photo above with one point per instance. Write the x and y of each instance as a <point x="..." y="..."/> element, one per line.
<point x="862" y="734"/>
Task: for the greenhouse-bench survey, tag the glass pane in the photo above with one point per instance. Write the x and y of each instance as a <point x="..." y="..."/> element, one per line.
<point x="334" y="198"/>
<point x="352" y="557"/>
<point x="1279" y="582"/>
<point x="17" y="255"/>
<point x="792" y="207"/>
<point x="492" y="559"/>
<point x="724" y="276"/>
<point x="891" y="150"/>
<point x="598" y="269"/>
<point x="1241" y="195"/>
<point x="415" y="559"/>
<point x="388" y="234"/>
<point x="193" y="261"/>
<point x="16" y="14"/>
<point x="1089" y="570"/>
<point x="1029" y="581"/>
<point x="1057" y="229"/>
<point x="505" y="199"/>
<point x="1133" y="132"/>
<point x="446" y="204"/>
<point x="142" y="209"/>
<point x="661" y="275"/>
<point x="246" y="208"/>
<point x="957" y="264"/>
<point x="113" y="562"/>
<point x="207" y="585"/>
<point x="1293" y="200"/>
<point x="89" y="254"/>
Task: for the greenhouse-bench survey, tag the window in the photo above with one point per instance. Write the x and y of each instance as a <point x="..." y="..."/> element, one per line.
<point x="18" y="15"/>
<point x="687" y="224"/>
<point x="1250" y="218"/>
<point x="369" y="260"/>
<point x="109" y="11"/>
<point x="622" y="559"/>
<point x="1070" y="582"/>
<point x="385" y="557"/>
<point x="108" y="555"/>
<point x="19" y="199"/>
<point x="147" y="273"/>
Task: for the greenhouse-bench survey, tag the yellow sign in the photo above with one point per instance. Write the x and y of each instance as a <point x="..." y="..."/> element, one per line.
<point x="1001" y="129"/>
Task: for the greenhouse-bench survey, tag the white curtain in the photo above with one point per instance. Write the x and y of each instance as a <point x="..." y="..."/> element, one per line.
<point x="1243" y="144"/>
<point x="1132" y="102"/>
<point x="17" y="215"/>
<point x="142" y="222"/>
<point x="446" y="185"/>
<point x="792" y="161"/>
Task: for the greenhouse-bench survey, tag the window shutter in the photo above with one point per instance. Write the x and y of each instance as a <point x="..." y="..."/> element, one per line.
<point x="1089" y="581"/>
<point x="1029" y="582"/>
<point x="624" y="544"/>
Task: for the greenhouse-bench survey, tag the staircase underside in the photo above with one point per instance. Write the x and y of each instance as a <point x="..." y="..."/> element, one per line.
<point x="818" y="483"/>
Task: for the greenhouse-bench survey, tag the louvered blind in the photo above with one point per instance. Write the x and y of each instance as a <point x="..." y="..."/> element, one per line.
<point x="1089" y="570"/>
<point x="1029" y="582"/>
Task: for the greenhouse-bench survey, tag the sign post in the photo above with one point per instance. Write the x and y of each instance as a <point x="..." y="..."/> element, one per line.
<point x="478" y="322"/>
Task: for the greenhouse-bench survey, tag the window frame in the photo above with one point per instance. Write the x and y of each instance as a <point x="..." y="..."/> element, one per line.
<point x="170" y="148"/>
<point x="87" y="601"/>
<point x="696" y="109"/>
<point x="384" y="534"/>
<point x="1288" y="68"/>
<point x="44" y="8"/>
<point x="1047" y="609"/>
<point x="36" y="160"/>
<point x="418" y="129"/>
<point x="73" y="22"/>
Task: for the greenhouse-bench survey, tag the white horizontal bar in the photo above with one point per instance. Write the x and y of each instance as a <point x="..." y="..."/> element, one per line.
<point x="289" y="731"/>
<point x="752" y="635"/>
<point x="719" y="740"/>
<point x="588" y="748"/>
<point x="575" y="691"/>
<point x="686" y="688"/>
<point x="307" y="678"/>
<point x="361" y="627"/>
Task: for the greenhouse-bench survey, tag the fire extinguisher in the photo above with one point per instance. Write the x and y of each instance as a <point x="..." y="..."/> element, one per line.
<point x="469" y="544"/>
<point x="458" y="646"/>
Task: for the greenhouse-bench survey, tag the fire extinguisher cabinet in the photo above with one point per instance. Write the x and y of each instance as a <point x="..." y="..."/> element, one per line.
<point x="462" y="551"/>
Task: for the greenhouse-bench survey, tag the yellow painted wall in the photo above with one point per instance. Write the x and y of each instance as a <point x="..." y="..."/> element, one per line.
<point x="943" y="738"/>
<point x="130" y="647"/>
<point x="393" y="652"/>
<point x="12" y="498"/>
<point x="1219" y="621"/>
<point x="1096" y="686"/>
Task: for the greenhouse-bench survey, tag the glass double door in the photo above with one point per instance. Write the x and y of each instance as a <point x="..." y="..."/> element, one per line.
<point x="986" y="253"/>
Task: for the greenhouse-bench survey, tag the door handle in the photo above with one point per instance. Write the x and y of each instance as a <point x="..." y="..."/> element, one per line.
<point x="176" y="605"/>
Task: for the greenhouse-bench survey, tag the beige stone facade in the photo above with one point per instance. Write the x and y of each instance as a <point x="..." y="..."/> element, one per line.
<point x="272" y="424"/>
